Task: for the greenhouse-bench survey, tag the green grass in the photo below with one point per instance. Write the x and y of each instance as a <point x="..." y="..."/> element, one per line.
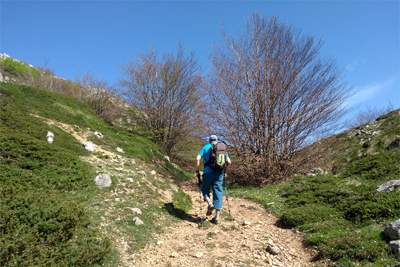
<point x="15" y="69"/>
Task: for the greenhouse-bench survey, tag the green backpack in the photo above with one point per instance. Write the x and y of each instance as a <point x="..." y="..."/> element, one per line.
<point x="217" y="158"/>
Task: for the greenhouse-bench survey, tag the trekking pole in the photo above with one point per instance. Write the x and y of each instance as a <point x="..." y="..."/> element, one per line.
<point x="227" y="200"/>
<point x="201" y="209"/>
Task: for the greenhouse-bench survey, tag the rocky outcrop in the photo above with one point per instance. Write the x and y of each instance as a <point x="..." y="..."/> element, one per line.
<point x="393" y="230"/>
<point x="388" y="186"/>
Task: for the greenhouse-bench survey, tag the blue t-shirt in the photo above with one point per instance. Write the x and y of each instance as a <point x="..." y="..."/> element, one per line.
<point x="206" y="152"/>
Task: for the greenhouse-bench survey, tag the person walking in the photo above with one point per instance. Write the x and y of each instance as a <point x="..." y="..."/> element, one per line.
<point x="212" y="178"/>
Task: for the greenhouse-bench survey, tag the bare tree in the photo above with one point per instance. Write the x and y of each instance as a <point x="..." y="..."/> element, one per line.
<point x="367" y="115"/>
<point x="167" y="89"/>
<point x="99" y="95"/>
<point x="271" y="91"/>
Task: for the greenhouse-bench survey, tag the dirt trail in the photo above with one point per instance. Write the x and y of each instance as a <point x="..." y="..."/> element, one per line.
<point x="231" y="243"/>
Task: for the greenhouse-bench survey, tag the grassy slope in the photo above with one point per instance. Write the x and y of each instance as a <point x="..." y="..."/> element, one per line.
<point x="339" y="212"/>
<point x="47" y="190"/>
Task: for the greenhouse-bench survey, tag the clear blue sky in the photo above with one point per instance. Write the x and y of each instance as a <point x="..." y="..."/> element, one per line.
<point x="363" y="36"/>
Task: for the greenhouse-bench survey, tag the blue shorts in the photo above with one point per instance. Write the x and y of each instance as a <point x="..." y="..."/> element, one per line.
<point x="215" y="180"/>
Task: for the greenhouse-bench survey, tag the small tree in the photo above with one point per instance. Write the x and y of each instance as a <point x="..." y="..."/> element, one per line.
<point x="271" y="91"/>
<point x="167" y="89"/>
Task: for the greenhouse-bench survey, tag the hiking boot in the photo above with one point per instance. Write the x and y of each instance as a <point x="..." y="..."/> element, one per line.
<point x="210" y="209"/>
<point x="215" y="220"/>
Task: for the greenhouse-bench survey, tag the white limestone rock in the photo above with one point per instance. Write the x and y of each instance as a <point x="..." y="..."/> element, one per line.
<point x="103" y="180"/>
<point x="138" y="221"/>
<point x="89" y="146"/>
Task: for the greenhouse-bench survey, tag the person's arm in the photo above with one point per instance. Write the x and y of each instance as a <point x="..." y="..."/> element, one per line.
<point x="198" y="158"/>
<point x="228" y="161"/>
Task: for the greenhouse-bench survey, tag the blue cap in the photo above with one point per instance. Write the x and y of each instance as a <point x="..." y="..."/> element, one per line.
<point x="213" y="138"/>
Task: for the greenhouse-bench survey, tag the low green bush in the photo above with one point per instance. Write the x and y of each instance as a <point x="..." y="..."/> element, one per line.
<point x="378" y="166"/>
<point x="361" y="245"/>
<point x="373" y="207"/>
<point x="308" y="213"/>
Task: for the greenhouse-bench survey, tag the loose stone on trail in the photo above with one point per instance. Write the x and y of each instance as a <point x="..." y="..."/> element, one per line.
<point x="274" y="250"/>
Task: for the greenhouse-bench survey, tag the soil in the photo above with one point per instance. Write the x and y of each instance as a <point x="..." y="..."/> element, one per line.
<point x="241" y="241"/>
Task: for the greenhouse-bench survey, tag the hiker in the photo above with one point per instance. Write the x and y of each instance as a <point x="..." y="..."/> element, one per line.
<point x="212" y="178"/>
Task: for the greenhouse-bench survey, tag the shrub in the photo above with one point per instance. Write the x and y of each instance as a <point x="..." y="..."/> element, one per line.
<point x="307" y="214"/>
<point x="365" y="244"/>
<point x="376" y="167"/>
<point x="372" y="207"/>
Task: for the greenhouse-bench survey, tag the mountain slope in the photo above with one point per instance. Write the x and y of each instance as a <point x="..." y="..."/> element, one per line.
<point x="47" y="190"/>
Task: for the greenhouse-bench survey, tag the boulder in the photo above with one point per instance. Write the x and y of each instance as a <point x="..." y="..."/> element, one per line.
<point x="103" y="180"/>
<point x="50" y="137"/>
<point x="387" y="187"/>
<point x="136" y="211"/>
<point x="393" y="230"/>
<point x="395" y="246"/>
<point x="138" y="221"/>
<point x="89" y="146"/>
<point x="98" y="134"/>
<point x="120" y="150"/>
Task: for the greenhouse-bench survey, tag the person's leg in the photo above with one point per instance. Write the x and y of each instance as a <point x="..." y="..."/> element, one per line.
<point x="205" y="185"/>
<point x="207" y="181"/>
<point x="217" y="195"/>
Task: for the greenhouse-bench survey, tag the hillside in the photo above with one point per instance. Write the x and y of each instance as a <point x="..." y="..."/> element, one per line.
<point x="49" y="198"/>
<point x="54" y="214"/>
<point x="336" y="203"/>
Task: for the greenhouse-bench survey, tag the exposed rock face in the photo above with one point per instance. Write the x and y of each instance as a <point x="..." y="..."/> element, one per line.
<point x="393" y="230"/>
<point x="103" y="180"/>
<point x="387" y="187"/>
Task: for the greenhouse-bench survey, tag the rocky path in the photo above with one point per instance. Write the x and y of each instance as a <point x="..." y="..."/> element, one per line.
<point x="240" y="242"/>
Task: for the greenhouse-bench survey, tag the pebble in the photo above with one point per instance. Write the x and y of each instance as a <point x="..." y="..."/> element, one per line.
<point x="174" y="255"/>
<point x="199" y="255"/>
